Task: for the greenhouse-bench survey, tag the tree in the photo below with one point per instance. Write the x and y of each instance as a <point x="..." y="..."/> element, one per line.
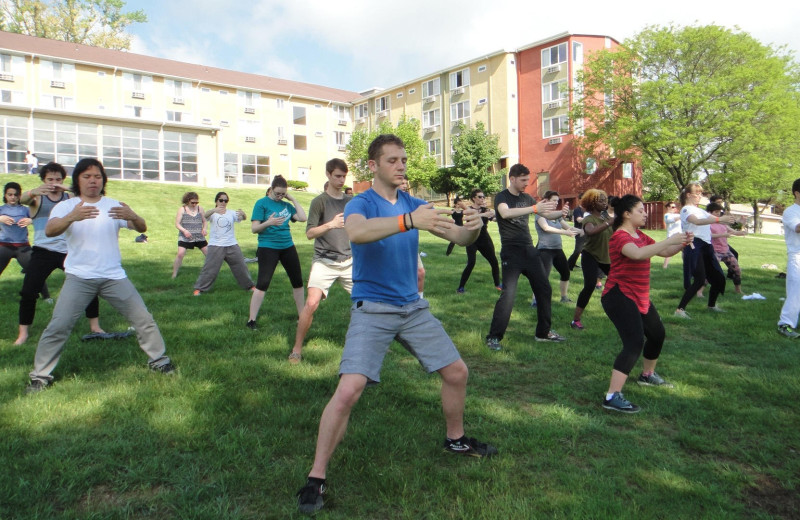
<point x="444" y="182"/>
<point x="684" y="100"/>
<point x="475" y="154"/>
<point x="101" y="23"/>
<point x="420" y="168"/>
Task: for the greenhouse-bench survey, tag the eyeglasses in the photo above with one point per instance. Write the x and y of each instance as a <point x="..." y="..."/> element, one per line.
<point x="672" y="207"/>
<point x="223" y="200"/>
<point x="194" y="202"/>
<point x="480" y="196"/>
<point x="278" y="194"/>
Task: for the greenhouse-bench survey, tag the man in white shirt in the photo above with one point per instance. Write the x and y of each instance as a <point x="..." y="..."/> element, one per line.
<point x="791" y="232"/>
<point x="90" y="223"/>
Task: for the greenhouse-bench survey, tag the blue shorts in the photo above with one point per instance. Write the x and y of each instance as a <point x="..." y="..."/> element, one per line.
<point x="374" y="325"/>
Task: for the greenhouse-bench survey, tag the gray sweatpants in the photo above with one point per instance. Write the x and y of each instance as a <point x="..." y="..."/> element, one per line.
<point x="214" y="257"/>
<point x="74" y="297"/>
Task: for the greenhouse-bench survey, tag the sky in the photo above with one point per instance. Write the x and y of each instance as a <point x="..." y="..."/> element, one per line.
<point x="360" y="44"/>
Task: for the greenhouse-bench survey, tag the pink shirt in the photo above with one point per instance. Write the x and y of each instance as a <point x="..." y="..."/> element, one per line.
<point x="720" y="244"/>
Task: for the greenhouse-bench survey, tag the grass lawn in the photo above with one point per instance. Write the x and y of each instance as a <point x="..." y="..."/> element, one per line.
<point x="232" y="435"/>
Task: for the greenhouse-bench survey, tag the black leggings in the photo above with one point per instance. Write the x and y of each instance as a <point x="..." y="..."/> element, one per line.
<point x="555" y="258"/>
<point x="268" y="260"/>
<point x="701" y="264"/>
<point x="485" y="248"/>
<point x="636" y="330"/>
<point x="589" y="266"/>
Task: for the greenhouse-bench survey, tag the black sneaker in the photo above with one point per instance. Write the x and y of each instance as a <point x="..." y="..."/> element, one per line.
<point x="309" y="498"/>
<point x="166" y="368"/>
<point x="35" y="386"/>
<point x="469" y="446"/>
<point x="552" y="336"/>
<point x="493" y="344"/>
<point x="251" y="325"/>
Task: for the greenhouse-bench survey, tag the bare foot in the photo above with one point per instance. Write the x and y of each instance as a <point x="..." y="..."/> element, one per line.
<point x="21" y="339"/>
<point x="98" y="330"/>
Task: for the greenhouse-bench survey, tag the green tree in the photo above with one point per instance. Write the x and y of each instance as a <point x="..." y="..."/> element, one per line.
<point x="421" y="166"/>
<point x="683" y="99"/>
<point x="101" y="23"/>
<point x="475" y="156"/>
<point x="444" y="182"/>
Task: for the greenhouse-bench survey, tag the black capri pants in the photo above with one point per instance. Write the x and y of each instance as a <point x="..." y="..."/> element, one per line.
<point x="555" y="258"/>
<point x="268" y="259"/>
<point x="636" y="330"/>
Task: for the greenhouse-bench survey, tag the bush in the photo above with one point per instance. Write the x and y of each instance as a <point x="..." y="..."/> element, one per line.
<point x="297" y="185"/>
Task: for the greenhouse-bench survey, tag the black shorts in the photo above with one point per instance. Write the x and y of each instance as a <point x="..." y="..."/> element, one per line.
<point x="192" y="245"/>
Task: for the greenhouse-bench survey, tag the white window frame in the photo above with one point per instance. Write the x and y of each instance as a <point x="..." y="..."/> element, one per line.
<point x="341" y="112"/>
<point x="548" y="88"/>
<point x="382" y="104"/>
<point x="547" y="58"/>
<point x="547" y="126"/>
<point x="434" y="147"/>
<point x="459" y="79"/>
<point x="431" y="118"/>
<point x="279" y="103"/>
<point x="362" y="110"/>
<point x="459" y="111"/>
<point x="431" y="87"/>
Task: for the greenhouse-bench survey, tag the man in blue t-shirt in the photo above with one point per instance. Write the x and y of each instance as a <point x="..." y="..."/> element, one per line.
<point x="382" y="226"/>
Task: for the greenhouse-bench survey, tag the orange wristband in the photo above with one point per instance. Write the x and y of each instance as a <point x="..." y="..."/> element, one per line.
<point x="717" y="220"/>
<point x="401" y="223"/>
<point x="535" y="209"/>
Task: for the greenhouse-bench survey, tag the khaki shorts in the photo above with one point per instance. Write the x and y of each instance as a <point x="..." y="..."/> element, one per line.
<point x="325" y="273"/>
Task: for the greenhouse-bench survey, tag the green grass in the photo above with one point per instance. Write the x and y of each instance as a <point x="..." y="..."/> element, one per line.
<point x="232" y="435"/>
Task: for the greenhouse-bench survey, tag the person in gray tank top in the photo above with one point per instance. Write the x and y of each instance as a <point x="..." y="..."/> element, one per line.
<point x="191" y="224"/>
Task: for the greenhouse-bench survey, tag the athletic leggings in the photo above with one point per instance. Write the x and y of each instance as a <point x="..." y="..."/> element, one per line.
<point x="636" y="330"/>
<point x="589" y="266"/>
<point x="485" y="248"/>
<point x="700" y="264"/>
<point x="734" y="271"/>
<point x="555" y="258"/>
<point x="268" y="259"/>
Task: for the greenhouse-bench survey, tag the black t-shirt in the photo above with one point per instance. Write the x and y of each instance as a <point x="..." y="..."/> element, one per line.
<point x="576" y="214"/>
<point x="515" y="231"/>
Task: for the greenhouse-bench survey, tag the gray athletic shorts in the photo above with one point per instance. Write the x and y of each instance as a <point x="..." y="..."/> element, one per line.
<point x="373" y="326"/>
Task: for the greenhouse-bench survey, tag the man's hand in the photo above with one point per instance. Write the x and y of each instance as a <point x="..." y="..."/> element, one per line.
<point x="81" y="212"/>
<point x="472" y="219"/>
<point x="44" y="189"/>
<point x="545" y="206"/>
<point x="122" y="212"/>
<point x="429" y="218"/>
<point x="565" y="211"/>
<point x="337" y="222"/>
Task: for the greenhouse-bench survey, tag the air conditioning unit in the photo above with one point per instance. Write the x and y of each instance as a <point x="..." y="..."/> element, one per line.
<point x="249" y="139"/>
<point x="318" y="134"/>
<point x="457" y="91"/>
<point x="137" y="95"/>
<point x="383" y="113"/>
<point x="431" y="129"/>
<point x="223" y="122"/>
<point x="342" y="148"/>
<point x="282" y="141"/>
<point x="554" y="105"/>
<point x="555" y="140"/>
<point x="343" y="122"/>
<point x="429" y="99"/>
<point x="249" y="110"/>
<point x="7" y="77"/>
<point x="177" y="100"/>
<point x="554" y="69"/>
<point x="57" y="84"/>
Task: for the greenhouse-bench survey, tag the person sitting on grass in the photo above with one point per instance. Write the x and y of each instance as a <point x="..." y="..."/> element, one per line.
<point x="90" y="222"/>
<point x="626" y="299"/>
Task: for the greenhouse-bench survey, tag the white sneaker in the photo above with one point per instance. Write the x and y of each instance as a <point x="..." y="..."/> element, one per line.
<point x="680" y="313"/>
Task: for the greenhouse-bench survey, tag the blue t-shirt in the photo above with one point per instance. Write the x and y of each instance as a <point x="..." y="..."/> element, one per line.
<point x="385" y="270"/>
<point x="14" y="234"/>
<point x="274" y="237"/>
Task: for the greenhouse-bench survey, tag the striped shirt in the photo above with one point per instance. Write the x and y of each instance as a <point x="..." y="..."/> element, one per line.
<point x="632" y="276"/>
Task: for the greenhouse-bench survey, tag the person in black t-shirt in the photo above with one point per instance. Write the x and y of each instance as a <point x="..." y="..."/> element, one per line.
<point x="577" y="219"/>
<point x="518" y="256"/>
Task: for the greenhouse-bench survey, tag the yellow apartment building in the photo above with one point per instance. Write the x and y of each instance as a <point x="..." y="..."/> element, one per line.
<point x="161" y="120"/>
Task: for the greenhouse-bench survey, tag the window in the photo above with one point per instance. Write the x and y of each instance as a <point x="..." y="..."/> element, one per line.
<point x="341" y="112"/>
<point x="577" y="52"/>
<point x="411" y="91"/>
<point x="130" y="153"/>
<point x="434" y="147"/>
<point x="177" y="89"/>
<point x="341" y="138"/>
<point x="249" y="99"/>
<point x="5" y="64"/>
<point x="459" y="111"/>
<point x="180" y="157"/>
<point x="137" y="82"/>
<point x="555" y="126"/>
<point x="362" y="111"/>
<point x="279" y="104"/>
<point x="431" y="118"/>
<point x="57" y="70"/>
<point x="205" y="90"/>
<point x="399" y="95"/>
<point x="591" y="166"/>
<point x="459" y="79"/>
<point x="542" y="183"/>
<point x="255" y="169"/>
<point x="627" y="170"/>
<point x="299" y="114"/>
<point x="223" y="92"/>
<point x="431" y="88"/>
<point x="281" y="134"/>
<point x="482" y="68"/>
<point x="382" y="104"/>
<point x="13" y="143"/>
<point x="49" y="101"/>
<point x="300" y="142"/>
<point x="554" y="55"/>
<point x="63" y="142"/>
<point x="554" y="91"/>
<point x="178" y="117"/>
<point x="231" y="167"/>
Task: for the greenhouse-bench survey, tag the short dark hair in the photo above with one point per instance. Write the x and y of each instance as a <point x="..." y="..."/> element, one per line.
<point x="474" y="193"/>
<point x="52" y="167"/>
<point x="621" y="205"/>
<point x="713" y="206"/>
<point x="220" y="194"/>
<point x="716" y="198"/>
<point x="796" y="185"/>
<point x="279" y="182"/>
<point x="12" y="186"/>
<point x="549" y="194"/>
<point x="189" y="195"/>
<point x="82" y="166"/>
<point x="375" y="149"/>
<point x="335" y="164"/>
<point x="518" y="170"/>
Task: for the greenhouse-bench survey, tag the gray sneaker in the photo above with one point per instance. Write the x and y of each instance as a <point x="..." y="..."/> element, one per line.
<point x="618" y="403"/>
<point x="654" y="380"/>
<point x="552" y="336"/>
<point x="35" y="386"/>
<point x="785" y="330"/>
<point x="493" y="344"/>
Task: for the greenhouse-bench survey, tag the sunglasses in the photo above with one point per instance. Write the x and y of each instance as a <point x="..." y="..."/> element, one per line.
<point x="223" y="200"/>
<point x="480" y="196"/>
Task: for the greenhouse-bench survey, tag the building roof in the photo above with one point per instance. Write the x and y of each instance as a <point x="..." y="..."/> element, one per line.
<point x="128" y="61"/>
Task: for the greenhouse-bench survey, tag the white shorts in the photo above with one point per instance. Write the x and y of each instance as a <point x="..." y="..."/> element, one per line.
<point x="325" y="272"/>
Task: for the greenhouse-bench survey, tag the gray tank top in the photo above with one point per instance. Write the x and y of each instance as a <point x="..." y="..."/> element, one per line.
<point x="59" y="243"/>
<point x="192" y="224"/>
<point x="549" y="240"/>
